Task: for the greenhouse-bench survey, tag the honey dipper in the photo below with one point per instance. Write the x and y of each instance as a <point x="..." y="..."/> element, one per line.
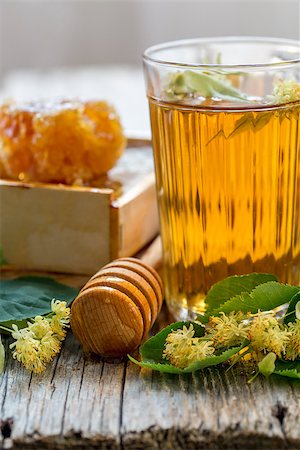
<point x="116" y="308"/>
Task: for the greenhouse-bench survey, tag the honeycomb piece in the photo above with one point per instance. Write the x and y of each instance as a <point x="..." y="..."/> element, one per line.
<point x="69" y="142"/>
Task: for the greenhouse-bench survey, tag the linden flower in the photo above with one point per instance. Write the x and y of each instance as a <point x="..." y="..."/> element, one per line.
<point x="40" y="341"/>
<point x="40" y="327"/>
<point x="60" y="319"/>
<point x="267" y="335"/>
<point x="27" y="349"/>
<point x="49" y="347"/>
<point x="181" y="337"/>
<point x="58" y="327"/>
<point x="286" y="91"/>
<point x="229" y="329"/>
<point x="200" y="350"/>
<point x="181" y="348"/>
<point x="177" y="346"/>
<point x="61" y="310"/>
<point x="293" y="346"/>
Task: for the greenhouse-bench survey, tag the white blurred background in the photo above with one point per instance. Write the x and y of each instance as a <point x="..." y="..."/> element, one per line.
<point x="93" y="48"/>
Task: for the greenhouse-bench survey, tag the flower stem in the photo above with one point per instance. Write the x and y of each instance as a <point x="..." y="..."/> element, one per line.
<point x="9" y="330"/>
<point x="253" y="378"/>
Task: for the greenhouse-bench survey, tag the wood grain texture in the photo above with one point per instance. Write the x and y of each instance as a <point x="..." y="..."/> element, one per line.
<point x="78" y="229"/>
<point x="82" y="403"/>
<point x="114" y="311"/>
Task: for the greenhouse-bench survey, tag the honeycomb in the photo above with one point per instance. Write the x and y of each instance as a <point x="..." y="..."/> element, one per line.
<point x="68" y="142"/>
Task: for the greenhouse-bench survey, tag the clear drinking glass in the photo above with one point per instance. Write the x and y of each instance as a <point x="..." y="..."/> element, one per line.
<point x="225" y="130"/>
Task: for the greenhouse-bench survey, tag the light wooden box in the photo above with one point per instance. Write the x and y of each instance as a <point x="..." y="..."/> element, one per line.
<point x="79" y="229"/>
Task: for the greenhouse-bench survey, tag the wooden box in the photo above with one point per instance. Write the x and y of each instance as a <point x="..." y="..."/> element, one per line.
<point x="79" y="229"/>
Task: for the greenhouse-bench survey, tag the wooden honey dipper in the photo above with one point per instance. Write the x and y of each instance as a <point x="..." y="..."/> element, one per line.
<point x="116" y="308"/>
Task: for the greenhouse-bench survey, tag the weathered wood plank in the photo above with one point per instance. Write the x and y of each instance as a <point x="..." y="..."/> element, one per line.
<point x="287" y="409"/>
<point x="208" y="410"/>
<point x="74" y="404"/>
<point x="92" y="408"/>
<point x="81" y="403"/>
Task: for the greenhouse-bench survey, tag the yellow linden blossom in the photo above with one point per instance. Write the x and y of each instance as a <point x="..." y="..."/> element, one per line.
<point x="60" y="319"/>
<point x="58" y="328"/>
<point x="40" y="341"/>
<point x="286" y="91"/>
<point x="61" y="310"/>
<point x="201" y="350"/>
<point x="40" y="327"/>
<point x="229" y="329"/>
<point x="177" y="346"/>
<point x="267" y="335"/>
<point x="182" y="348"/>
<point x="49" y="347"/>
<point x="27" y="349"/>
<point x="293" y="346"/>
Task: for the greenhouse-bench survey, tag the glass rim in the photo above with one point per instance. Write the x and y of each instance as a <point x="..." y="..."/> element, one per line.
<point x="147" y="55"/>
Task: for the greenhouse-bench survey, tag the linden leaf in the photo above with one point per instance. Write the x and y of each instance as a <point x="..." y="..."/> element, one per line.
<point x="219" y="134"/>
<point x="249" y="121"/>
<point x="165" y="368"/>
<point x="262" y="119"/>
<point x="289" y="369"/>
<point x="197" y="365"/>
<point x="27" y="297"/>
<point x="204" y="84"/>
<point x="264" y="297"/>
<point x="293" y="311"/>
<point x="246" y="122"/>
<point x="224" y="290"/>
<point x="178" y="84"/>
<point x="152" y="349"/>
<point x="209" y="85"/>
<point x="214" y="360"/>
<point x="2" y="356"/>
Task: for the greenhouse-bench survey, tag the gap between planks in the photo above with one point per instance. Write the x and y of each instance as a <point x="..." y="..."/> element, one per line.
<point x="82" y="403"/>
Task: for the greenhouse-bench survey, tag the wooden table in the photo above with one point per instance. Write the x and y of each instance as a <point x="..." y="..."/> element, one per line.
<point x="83" y="403"/>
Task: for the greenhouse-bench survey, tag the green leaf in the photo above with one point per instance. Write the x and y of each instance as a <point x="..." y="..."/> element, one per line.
<point x="166" y="368"/>
<point x="210" y="85"/>
<point x="27" y="297"/>
<point x="202" y="364"/>
<point x="178" y="84"/>
<point x="289" y="369"/>
<point x="2" y="356"/>
<point x="219" y="134"/>
<point x="231" y="286"/>
<point x="247" y="122"/>
<point x="242" y="124"/>
<point x="290" y="315"/>
<point x="205" y="84"/>
<point x="262" y="119"/>
<point x="264" y="297"/>
<point x="152" y="349"/>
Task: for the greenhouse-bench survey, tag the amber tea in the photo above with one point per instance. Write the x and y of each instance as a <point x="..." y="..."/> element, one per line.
<point x="231" y="196"/>
<point x="228" y="180"/>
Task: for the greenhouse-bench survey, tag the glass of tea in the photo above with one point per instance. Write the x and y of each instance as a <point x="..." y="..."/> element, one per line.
<point x="226" y="137"/>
